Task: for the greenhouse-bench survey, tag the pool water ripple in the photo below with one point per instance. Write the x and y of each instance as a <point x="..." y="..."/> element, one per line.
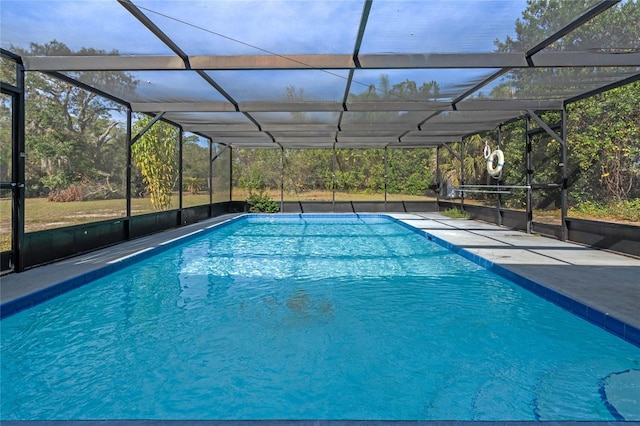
<point x="368" y="320"/>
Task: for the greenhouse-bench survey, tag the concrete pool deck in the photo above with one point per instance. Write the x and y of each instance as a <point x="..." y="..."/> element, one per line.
<point x="598" y="279"/>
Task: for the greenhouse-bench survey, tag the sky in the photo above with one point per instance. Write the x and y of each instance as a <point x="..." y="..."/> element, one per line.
<point x="258" y="27"/>
<point x="240" y="27"/>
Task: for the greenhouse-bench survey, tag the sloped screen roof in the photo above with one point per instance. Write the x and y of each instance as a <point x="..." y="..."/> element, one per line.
<point x="305" y="74"/>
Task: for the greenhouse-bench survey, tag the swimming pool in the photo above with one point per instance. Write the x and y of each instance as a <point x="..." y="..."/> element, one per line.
<point x="310" y="317"/>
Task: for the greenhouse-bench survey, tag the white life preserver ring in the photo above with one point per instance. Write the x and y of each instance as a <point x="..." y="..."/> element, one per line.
<point x="495" y="171"/>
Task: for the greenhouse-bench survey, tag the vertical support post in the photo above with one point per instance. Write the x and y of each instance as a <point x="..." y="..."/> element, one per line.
<point x="565" y="184"/>
<point x="499" y="197"/>
<point x="129" y="166"/>
<point x="385" y="178"/>
<point x="18" y="170"/>
<point x="333" y="179"/>
<point x="230" y="175"/>
<point x="529" y="164"/>
<point x="462" y="177"/>
<point x="210" y="177"/>
<point x="438" y="178"/>
<point x="281" y="179"/>
<point x="180" y="181"/>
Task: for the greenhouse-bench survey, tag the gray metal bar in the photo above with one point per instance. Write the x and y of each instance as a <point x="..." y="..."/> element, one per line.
<point x="290" y="106"/>
<point x="281" y="179"/>
<point x="180" y="173"/>
<point x="564" y="173"/>
<point x="545" y="126"/>
<point x="88" y="88"/>
<point x="140" y="16"/>
<point x="18" y="169"/>
<point x="272" y="62"/>
<point x="220" y="153"/>
<point x="364" y="18"/>
<point x="580" y="59"/>
<point x="500" y="61"/>
<point x="385" y="178"/>
<point x="129" y="170"/>
<point x="496" y="186"/>
<point x="226" y="128"/>
<point x="103" y="63"/>
<point x="146" y="128"/>
<point x="333" y="178"/>
<point x="479" y="86"/>
<point x="599" y="90"/>
<point x="443" y="60"/>
<point x="499" y="197"/>
<point x="452" y="152"/>
<point x="529" y="177"/>
<point x="590" y="14"/>
<point x="515" y="105"/>
<point x="421" y="106"/>
<point x="183" y="107"/>
<point x="231" y="175"/>
<point x="462" y="176"/>
<point x="438" y="178"/>
<point x="462" y="191"/>
<point x="458" y="127"/>
<point x="216" y="86"/>
<point x="211" y="174"/>
<point x="431" y="138"/>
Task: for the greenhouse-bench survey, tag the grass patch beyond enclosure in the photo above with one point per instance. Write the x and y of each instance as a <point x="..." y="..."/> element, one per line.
<point x="41" y="214"/>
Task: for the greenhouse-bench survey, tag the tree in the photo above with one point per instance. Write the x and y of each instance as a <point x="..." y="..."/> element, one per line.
<point x="604" y="130"/>
<point x="73" y="136"/>
<point x="156" y="155"/>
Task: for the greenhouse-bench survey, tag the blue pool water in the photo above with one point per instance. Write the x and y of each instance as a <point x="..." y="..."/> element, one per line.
<point x="311" y="318"/>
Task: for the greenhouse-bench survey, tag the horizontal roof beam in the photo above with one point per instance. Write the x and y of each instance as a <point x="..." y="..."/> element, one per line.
<point x="338" y="61"/>
<point x="103" y="63"/>
<point x="426" y="107"/>
<point x="220" y="128"/>
<point x="267" y="62"/>
<point x="459" y="127"/>
<point x="183" y="107"/>
<point x="430" y="139"/>
<point x="378" y="127"/>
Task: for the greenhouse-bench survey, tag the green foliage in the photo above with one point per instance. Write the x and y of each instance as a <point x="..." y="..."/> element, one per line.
<point x="626" y="210"/>
<point x="71" y="135"/>
<point x="456" y="213"/>
<point x="192" y="184"/>
<point x="262" y="203"/>
<point x="155" y="155"/>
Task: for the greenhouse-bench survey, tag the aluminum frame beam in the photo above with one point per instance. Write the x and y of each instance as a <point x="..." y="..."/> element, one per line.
<point x="323" y="106"/>
<point x="495" y="60"/>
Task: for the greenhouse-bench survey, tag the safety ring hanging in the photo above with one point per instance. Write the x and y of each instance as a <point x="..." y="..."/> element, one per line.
<point x="496" y="171"/>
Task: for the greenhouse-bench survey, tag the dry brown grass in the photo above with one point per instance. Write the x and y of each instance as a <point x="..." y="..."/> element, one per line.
<point x="42" y="214"/>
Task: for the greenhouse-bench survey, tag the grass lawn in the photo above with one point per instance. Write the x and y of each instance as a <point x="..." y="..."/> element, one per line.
<point x="42" y="214"/>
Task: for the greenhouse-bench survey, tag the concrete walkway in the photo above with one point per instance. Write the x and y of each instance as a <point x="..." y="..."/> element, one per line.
<point x="607" y="282"/>
<point x="602" y="280"/>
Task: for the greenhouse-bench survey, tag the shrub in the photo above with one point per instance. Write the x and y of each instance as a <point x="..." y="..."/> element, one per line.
<point x="455" y="213"/>
<point x="72" y="193"/>
<point x="261" y="203"/>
